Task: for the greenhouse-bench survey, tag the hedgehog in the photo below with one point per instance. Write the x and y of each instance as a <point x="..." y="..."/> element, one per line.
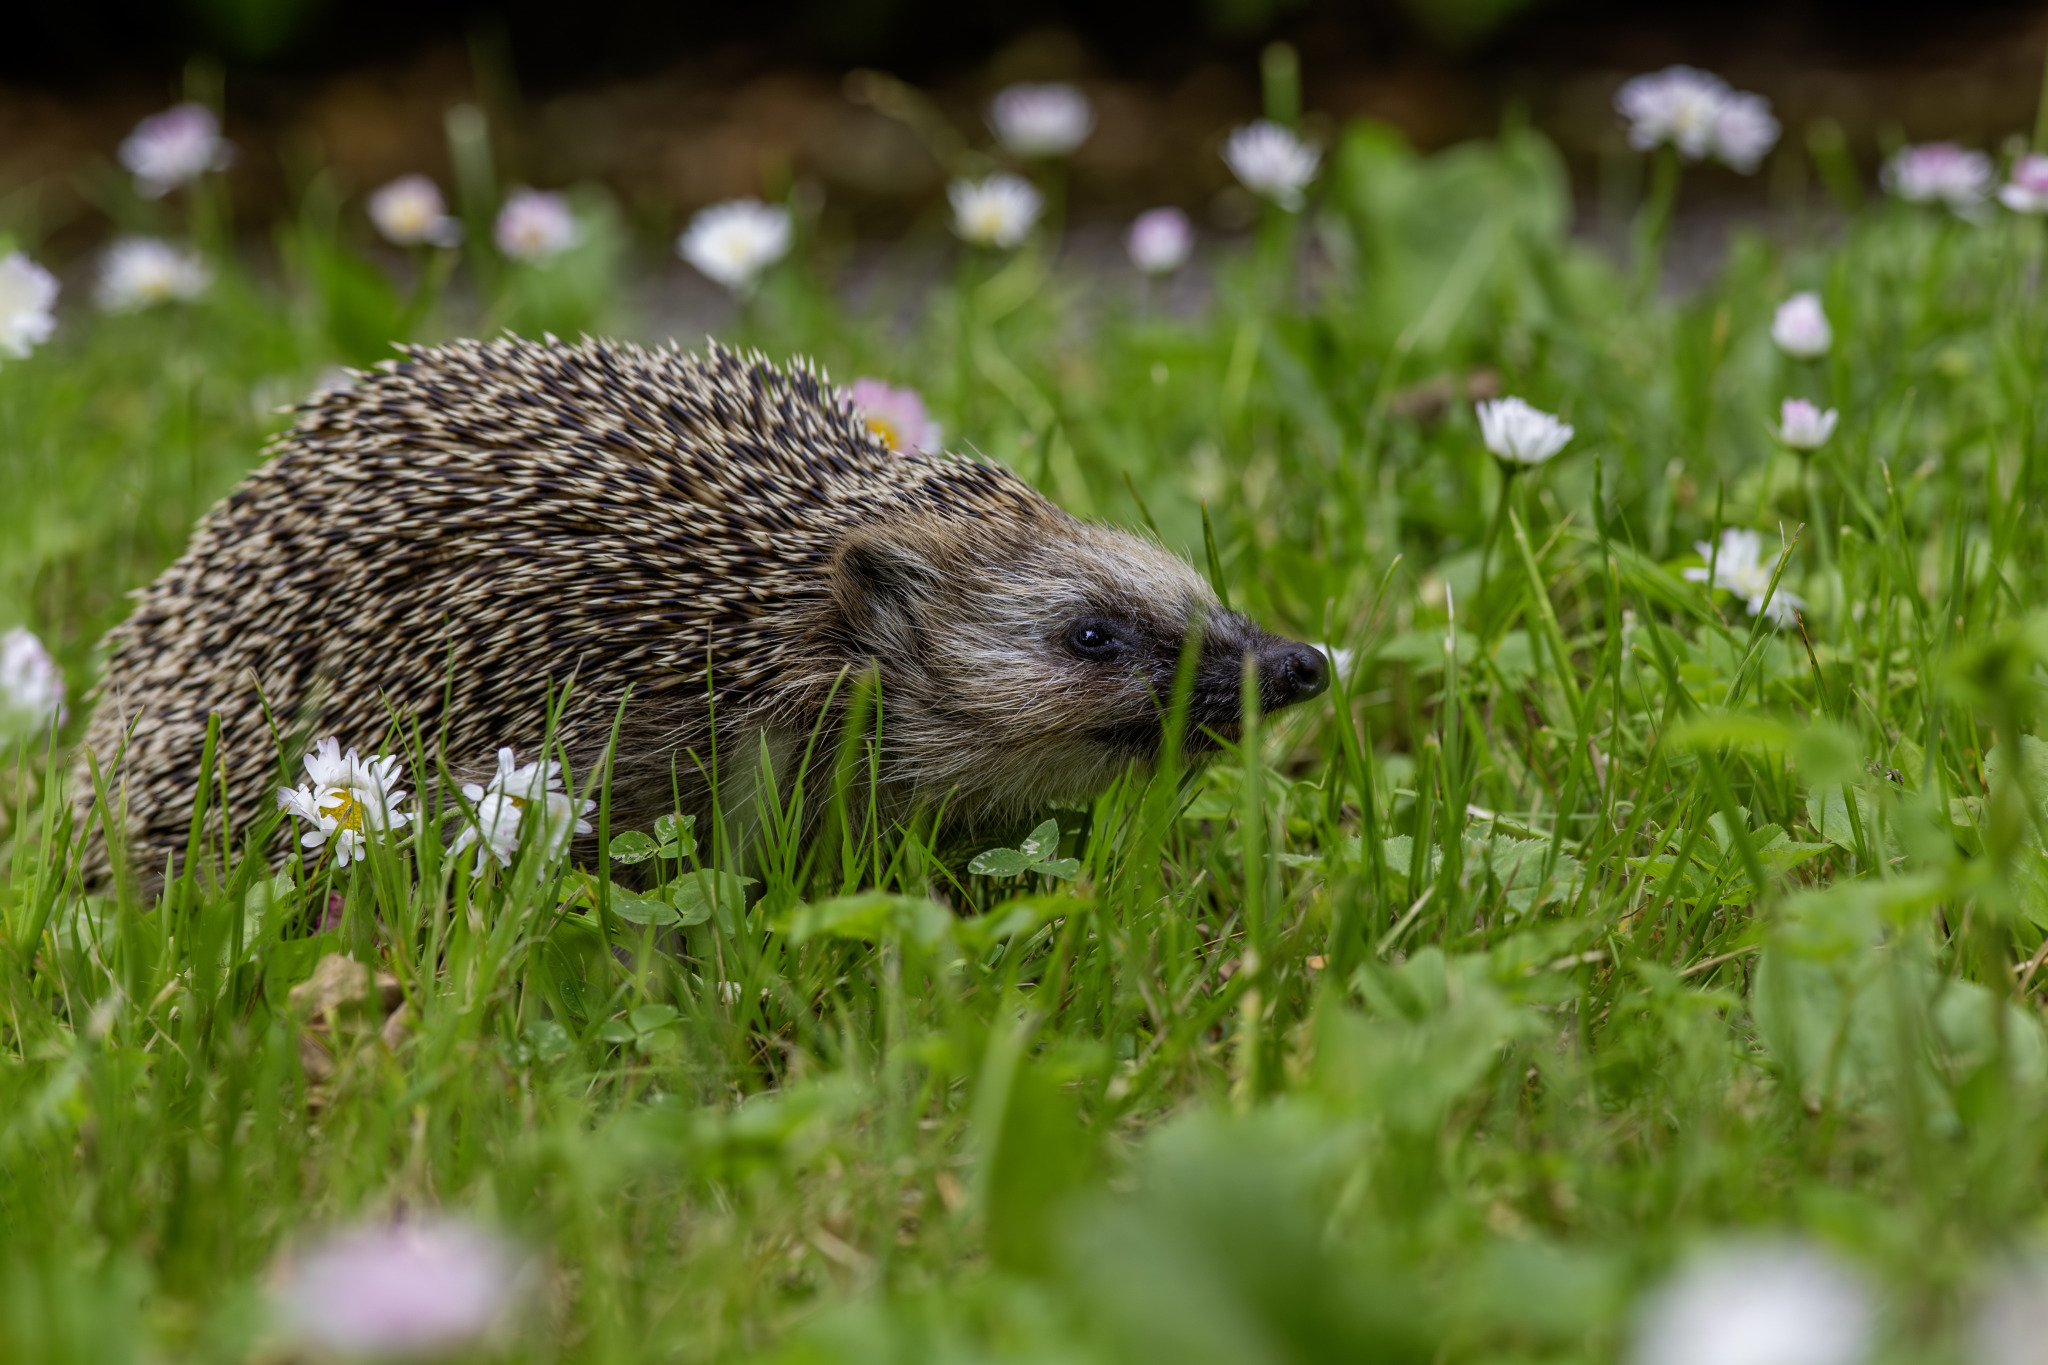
<point x="698" y="549"/>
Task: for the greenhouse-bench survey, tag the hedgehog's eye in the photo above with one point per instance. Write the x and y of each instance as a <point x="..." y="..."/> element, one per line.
<point x="1096" y="640"/>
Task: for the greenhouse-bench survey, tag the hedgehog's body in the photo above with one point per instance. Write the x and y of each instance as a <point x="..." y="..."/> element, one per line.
<point x="445" y="541"/>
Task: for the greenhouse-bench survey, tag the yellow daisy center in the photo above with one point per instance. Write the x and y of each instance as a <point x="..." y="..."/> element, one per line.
<point x="342" y="805"/>
<point x="887" y="430"/>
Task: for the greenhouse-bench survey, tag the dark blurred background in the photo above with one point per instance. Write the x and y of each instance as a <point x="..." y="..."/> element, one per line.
<point x="674" y="103"/>
<point x="925" y="40"/>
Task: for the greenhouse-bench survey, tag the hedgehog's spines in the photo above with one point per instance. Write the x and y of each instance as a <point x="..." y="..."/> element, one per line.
<point x="516" y="507"/>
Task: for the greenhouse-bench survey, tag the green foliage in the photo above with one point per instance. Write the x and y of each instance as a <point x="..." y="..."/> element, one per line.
<point x="1038" y="853"/>
<point x="575" y="292"/>
<point x="1588" y="917"/>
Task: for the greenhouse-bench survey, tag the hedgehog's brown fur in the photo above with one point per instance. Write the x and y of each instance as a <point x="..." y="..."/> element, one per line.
<point x="443" y="540"/>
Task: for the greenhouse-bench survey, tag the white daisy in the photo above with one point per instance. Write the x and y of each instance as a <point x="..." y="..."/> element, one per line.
<point x="2010" y="1323"/>
<point x="1802" y="426"/>
<point x="1519" y="433"/>
<point x="1800" y="327"/>
<point x="735" y="241"/>
<point x="495" y="829"/>
<point x="426" y="1288"/>
<point x="175" y="147"/>
<point x="1041" y="120"/>
<point x="1270" y="160"/>
<point x="897" y="415"/>
<point x="2027" y="190"/>
<point x="1160" y="241"/>
<point x="27" y="294"/>
<point x="535" y="225"/>
<point x="1679" y="105"/>
<point x="998" y="211"/>
<point x="1699" y="114"/>
<point x="411" y="212"/>
<point x="141" y="272"/>
<point x="1761" y="1304"/>
<point x="1744" y="131"/>
<point x="31" y="684"/>
<point x="345" y="799"/>
<point x="1740" y="568"/>
<point x="1939" y="173"/>
<point x="501" y="805"/>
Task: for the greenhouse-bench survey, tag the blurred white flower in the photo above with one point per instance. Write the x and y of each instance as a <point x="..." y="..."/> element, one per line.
<point x="1699" y="114"/>
<point x="534" y="225"/>
<point x="1802" y="426"/>
<point x="175" y="147"/>
<point x="345" y="800"/>
<point x="1160" y="241"/>
<point x="998" y="211"/>
<point x="1744" y="131"/>
<point x="400" y="1290"/>
<point x="2011" y="1320"/>
<point x="1519" y="433"/>
<point x="2027" y="191"/>
<point x="1680" y="105"/>
<point x="31" y="684"/>
<point x="1740" y="568"/>
<point x="1041" y="120"/>
<point x="411" y="212"/>
<point x="141" y="272"/>
<point x="1757" y="1304"/>
<point x="1939" y="173"/>
<point x="501" y="808"/>
<point x="897" y="415"/>
<point x="1270" y="160"/>
<point x="735" y="241"/>
<point x="1800" y="326"/>
<point x="27" y="294"/>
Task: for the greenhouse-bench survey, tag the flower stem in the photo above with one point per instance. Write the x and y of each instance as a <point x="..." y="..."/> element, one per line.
<point x="1653" y="218"/>
<point x="1500" y="516"/>
<point x="1809" y="506"/>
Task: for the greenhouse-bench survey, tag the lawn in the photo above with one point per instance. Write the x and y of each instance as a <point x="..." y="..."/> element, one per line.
<point x="1602" y="931"/>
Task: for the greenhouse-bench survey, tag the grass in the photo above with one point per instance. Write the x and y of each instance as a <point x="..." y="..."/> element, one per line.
<point x="1588" y="920"/>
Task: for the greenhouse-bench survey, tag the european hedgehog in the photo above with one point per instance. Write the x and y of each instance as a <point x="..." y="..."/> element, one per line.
<point x="715" y="541"/>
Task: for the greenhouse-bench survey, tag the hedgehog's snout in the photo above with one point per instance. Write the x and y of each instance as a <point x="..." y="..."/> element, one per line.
<point x="1285" y="672"/>
<point x="1290" y="672"/>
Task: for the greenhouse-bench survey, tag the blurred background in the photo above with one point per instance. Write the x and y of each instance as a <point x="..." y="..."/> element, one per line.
<point x="671" y="105"/>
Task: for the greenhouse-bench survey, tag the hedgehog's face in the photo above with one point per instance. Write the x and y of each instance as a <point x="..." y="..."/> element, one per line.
<point x="1023" y="669"/>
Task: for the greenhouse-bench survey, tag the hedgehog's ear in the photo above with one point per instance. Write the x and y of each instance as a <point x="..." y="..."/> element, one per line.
<point x="878" y="586"/>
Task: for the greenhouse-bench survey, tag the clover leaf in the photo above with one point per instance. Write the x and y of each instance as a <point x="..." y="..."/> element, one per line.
<point x="639" y="911"/>
<point x="632" y="847"/>
<point x="677" y="841"/>
<point x="678" y="836"/>
<point x="645" y="1027"/>
<point x="1038" y="853"/>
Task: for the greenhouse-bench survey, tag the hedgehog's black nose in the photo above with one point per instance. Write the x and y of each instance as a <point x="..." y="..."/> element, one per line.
<point x="1289" y="673"/>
